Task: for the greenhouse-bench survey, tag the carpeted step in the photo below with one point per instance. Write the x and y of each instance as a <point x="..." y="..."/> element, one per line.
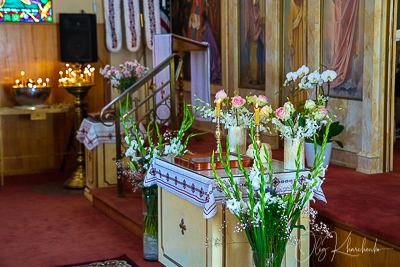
<point x="126" y="211"/>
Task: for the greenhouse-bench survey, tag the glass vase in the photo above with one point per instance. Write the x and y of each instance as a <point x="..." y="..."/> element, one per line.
<point x="237" y="137"/>
<point x="291" y="147"/>
<point x="262" y="259"/>
<point x="150" y="226"/>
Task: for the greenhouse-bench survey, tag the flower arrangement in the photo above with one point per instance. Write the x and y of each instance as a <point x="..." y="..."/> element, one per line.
<point x="176" y="148"/>
<point x="238" y="114"/>
<point x="302" y="123"/>
<point x="141" y="156"/>
<point x="266" y="216"/>
<point x="123" y="78"/>
<point x="312" y="82"/>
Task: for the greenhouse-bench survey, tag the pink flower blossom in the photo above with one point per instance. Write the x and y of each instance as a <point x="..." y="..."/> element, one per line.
<point x="220" y="95"/>
<point x="127" y="73"/>
<point x="320" y="113"/>
<point x="262" y="100"/>
<point x="238" y="102"/>
<point x="280" y="113"/>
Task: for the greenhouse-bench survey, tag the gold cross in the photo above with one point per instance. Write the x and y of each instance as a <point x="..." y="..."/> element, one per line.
<point x="182" y="226"/>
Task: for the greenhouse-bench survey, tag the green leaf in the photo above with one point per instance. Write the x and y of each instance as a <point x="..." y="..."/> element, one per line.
<point x="300" y="227"/>
<point x="302" y="122"/>
<point x="338" y="142"/>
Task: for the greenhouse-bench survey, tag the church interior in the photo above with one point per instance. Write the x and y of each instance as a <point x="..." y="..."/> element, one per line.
<point x="116" y="117"/>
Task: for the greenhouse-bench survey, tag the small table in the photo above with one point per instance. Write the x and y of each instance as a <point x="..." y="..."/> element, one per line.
<point x="35" y="113"/>
<point x="192" y="200"/>
<point x="100" y="149"/>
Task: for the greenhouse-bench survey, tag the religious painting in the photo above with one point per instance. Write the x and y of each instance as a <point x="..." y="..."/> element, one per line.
<point x="343" y="46"/>
<point x="252" y="44"/>
<point x="200" y="20"/>
<point x="294" y="32"/>
<point x="26" y="11"/>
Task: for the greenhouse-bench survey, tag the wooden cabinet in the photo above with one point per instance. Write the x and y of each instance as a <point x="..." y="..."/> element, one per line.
<point x="183" y="233"/>
<point x="101" y="170"/>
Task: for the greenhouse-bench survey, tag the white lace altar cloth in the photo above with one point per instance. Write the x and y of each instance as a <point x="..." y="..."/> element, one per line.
<point x="202" y="189"/>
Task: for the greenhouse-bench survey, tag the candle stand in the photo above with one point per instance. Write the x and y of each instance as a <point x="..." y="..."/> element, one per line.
<point x="218" y="133"/>
<point x="80" y="91"/>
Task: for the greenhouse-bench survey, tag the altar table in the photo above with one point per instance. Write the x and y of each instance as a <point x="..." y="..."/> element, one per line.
<point x="191" y="214"/>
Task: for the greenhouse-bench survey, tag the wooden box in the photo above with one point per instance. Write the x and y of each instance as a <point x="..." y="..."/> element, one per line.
<point x="203" y="161"/>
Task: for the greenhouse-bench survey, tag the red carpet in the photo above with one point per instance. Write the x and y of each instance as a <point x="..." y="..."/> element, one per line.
<point x="39" y="230"/>
<point x="116" y="262"/>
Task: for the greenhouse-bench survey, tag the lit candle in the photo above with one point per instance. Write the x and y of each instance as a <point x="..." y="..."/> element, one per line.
<point x="17" y="81"/>
<point x="257" y="113"/>
<point x="44" y="84"/>
<point x="39" y="81"/>
<point x="61" y="73"/>
<point x="23" y="79"/>
<point x="90" y="77"/>
<point x="47" y="80"/>
<point x="218" y="107"/>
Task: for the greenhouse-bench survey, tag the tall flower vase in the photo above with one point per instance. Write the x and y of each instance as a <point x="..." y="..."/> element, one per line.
<point x="150" y="221"/>
<point x="291" y="147"/>
<point x="237" y="137"/>
<point x="262" y="259"/>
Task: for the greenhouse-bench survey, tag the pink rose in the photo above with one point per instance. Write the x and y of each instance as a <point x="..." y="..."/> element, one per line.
<point x="238" y="102"/>
<point x="262" y="100"/>
<point x="220" y="95"/>
<point x="280" y="113"/>
<point x="320" y="113"/>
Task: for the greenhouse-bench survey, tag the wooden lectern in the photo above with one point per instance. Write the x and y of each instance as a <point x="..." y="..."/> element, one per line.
<point x="182" y="44"/>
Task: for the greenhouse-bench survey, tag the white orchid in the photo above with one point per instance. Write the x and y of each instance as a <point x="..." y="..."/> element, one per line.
<point x="302" y="71"/>
<point x="314" y="77"/>
<point x="291" y="76"/>
<point x="328" y="75"/>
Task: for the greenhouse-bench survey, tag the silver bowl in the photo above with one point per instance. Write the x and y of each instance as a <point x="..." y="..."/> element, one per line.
<point x="27" y="96"/>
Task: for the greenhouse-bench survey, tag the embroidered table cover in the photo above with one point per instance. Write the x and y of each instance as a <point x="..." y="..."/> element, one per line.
<point x="202" y="189"/>
<point x="93" y="133"/>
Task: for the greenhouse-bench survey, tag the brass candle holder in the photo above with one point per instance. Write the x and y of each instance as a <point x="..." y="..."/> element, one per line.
<point x="218" y="133"/>
<point x="258" y="141"/>
<point x="80" y="91"/>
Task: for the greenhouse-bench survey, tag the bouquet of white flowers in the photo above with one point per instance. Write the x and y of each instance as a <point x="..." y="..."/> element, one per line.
<point x="266" y="216"/>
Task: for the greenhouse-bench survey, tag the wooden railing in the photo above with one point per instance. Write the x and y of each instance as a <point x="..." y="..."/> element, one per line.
<point x="114" y="119"/>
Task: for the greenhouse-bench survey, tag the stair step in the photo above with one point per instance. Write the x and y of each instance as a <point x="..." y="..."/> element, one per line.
<point x="126" y="211"/>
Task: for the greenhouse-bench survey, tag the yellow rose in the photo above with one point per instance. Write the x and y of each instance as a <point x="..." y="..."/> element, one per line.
<point x="266" y="111"/>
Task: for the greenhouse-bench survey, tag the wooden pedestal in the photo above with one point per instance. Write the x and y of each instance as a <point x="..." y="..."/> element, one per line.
<point x="101" y="170"/>
<point x="183" y="232"/>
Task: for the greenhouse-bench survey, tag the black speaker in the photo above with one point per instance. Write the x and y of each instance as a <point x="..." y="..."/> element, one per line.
<point x="78" y="38"/>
